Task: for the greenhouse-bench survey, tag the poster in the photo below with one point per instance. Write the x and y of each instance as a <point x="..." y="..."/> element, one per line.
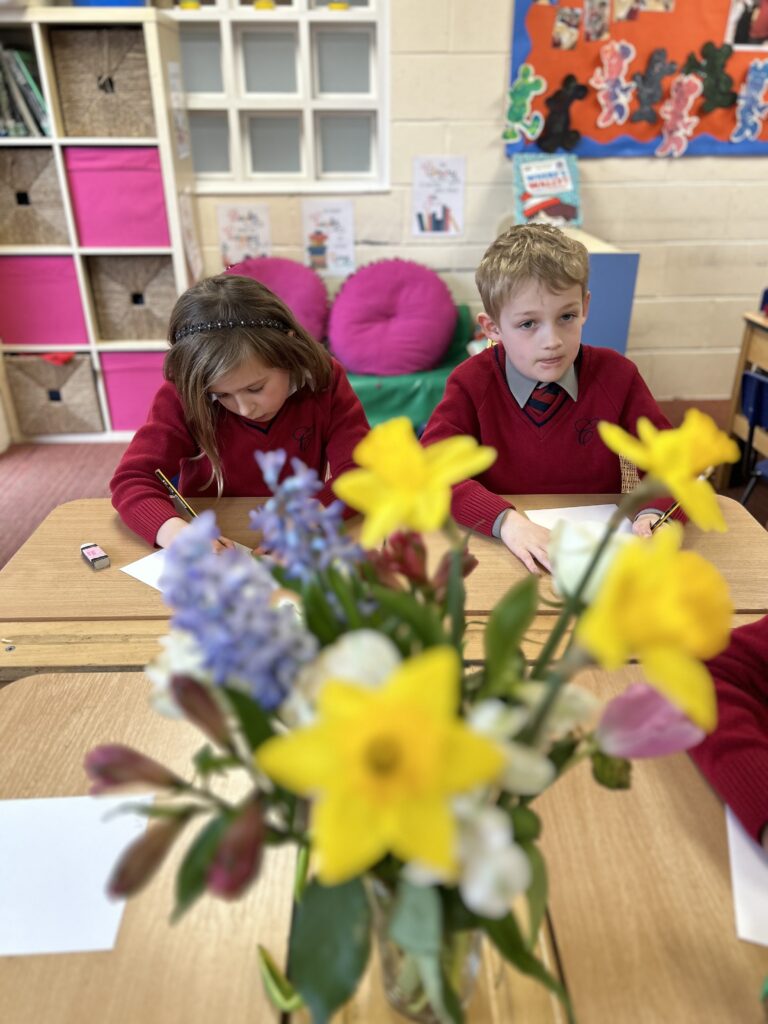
<point x="438" y="195"/>
<point x="328" y="231"/>
<point x="179" y="111"/>
<point x="189" y="237"/>
<point x="546" y="189"/>
<point x="243" y="232"/>
<point x="666" y="78"/>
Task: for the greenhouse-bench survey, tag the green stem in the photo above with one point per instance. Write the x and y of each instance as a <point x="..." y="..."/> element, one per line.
<point x="555" y="679"/>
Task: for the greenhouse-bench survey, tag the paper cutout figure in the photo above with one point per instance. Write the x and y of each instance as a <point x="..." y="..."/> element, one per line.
<point x="614" y="92"/>
<point x="521" y="121"/>
<point x="557" y="131"/>
<point x="750" y="109"/>
<point x="718" y="84"/>
<point x="596" y="16"/>
<point x="678" y="125"/>
<point x="649" y="85"/>
<point x="565" y="31"/>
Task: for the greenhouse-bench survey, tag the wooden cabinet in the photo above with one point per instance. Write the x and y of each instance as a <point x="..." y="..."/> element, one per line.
<point x="753" y="356"/>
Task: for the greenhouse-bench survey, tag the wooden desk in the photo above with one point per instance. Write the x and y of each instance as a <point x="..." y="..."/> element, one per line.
<point x="641" y="901"/>
<point x="753" y="356"/>
<point x="203" y="969"/>
<point x="60" y="615"/>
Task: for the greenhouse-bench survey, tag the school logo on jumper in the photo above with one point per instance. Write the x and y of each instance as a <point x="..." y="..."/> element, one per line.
<point x="304" y="436"/>
<point x="586" y="429"/>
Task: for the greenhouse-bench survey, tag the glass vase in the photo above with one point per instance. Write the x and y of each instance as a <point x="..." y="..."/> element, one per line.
<point x="400" y="976"/>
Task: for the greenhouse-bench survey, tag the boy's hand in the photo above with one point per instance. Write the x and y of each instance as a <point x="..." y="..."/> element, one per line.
<point x="642" y="525"/>
<point x="526" y="540"/>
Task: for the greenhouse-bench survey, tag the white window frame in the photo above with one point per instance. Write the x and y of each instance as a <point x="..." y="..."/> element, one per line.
<point x="232" y="19"/>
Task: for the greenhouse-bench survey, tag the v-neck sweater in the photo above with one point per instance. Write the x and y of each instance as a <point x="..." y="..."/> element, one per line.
<point x="319" y="427"/>
<point x="562" y="456"/>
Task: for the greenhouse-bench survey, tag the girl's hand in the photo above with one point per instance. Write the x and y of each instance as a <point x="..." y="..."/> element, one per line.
<point x="223" y="543"/>
<point x="526" y="540"/>
<point x="642" y="525"/>
<point x="171" y="528"/>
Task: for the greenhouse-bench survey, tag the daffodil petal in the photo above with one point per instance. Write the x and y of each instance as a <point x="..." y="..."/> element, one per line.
<point x="347" y="836"/>
<point x="427" y="834"/>
<point x="699" y="501"/>
<point x="622" y="443"/>
<point x="683" y="681"/>
<point x="302" y="761"/>
<point x="429" y="680"/>
<point x="430" y="509"/>
<point x="470" y="759"/>
<point x="458" y="458"/>
<point x="646" y="430"/>
<point x="358" y="488"/>
<point x="339" y="700"/>
<point x="383" y="520"/>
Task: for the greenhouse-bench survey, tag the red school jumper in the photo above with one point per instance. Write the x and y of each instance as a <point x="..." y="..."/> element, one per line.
<point x="563" y="456"/>
<point x="319" y="427"/>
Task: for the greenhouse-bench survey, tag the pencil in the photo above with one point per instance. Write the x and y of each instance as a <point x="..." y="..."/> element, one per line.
<point x="663" y="518"/>
<point x="174" y="493"/>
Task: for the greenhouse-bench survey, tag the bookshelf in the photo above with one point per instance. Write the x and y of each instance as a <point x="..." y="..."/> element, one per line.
<point x="96" y="222"/>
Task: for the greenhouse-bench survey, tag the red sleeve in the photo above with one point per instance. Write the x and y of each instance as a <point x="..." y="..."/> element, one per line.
<point x="472" y="504"/>
<point x="734" y="758"/>
<point x="162" y="443"/>
<point x="346" y="427"/>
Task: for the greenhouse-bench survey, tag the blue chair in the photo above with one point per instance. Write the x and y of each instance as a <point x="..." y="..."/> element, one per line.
<point x="754" y="406"/>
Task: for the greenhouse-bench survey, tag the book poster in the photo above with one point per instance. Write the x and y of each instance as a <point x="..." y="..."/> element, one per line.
<point x="178" y="111"/>
<point x="244" y="232"/>
<point x="438" y="195"/>
<point x="546" y="189"/>
<point x="189" y="236"/>
<point x="329" y="236"/>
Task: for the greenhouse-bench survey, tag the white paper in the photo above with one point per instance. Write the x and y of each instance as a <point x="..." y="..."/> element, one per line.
<point x="329" y="235"/>
<point x="749" y="881"/>
<point x="576" y="514"/>
<point x="150" y="568"/>
<point x="56" y="858"/>
<point x="438" y="195"/>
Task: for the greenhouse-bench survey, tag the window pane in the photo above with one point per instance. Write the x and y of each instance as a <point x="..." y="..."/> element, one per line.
<point x="345" y="143"/>
<point x="201" y="59"/>
<point x="275" y="144"/>
<point x="343" y="62"/>
<point x="270" y="61"/>
<point x="210" y="141"/>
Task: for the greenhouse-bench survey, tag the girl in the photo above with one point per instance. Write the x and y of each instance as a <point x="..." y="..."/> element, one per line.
<point x="241" y="376"/>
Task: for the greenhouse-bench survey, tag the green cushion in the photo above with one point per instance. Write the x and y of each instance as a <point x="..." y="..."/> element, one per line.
<point x="414" y="395"/>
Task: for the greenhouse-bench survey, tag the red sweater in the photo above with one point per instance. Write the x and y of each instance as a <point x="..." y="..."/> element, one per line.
<point x="320" y="428"/>
<point x="734" y="758"/>
<point x="565" y="456"/>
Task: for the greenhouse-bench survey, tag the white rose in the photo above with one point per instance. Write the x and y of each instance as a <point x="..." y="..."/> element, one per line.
<point x="571" y="547"/>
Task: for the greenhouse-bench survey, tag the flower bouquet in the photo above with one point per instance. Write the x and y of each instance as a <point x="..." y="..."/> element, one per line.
<point x="330" y="675"/>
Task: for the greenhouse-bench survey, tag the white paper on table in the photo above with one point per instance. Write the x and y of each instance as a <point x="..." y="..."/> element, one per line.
<point x="150" y="568"/>
<point x="576" y="514"/>
<point x="56" y="857"/>
<point x="749" y="881"/>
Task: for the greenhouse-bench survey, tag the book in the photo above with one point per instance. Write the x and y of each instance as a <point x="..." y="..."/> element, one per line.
<point x="24" y="68"/>
<point x="546" y="189"/>
<point x="10" y="123"/>
<point x="17" y="96"/>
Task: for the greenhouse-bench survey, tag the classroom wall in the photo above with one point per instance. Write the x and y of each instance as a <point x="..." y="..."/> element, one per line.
<point x="699" y="224"/>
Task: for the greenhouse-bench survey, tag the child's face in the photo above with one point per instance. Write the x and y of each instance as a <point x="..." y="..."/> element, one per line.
<point x="539" y="329"/>
<point x="253" y="390"/>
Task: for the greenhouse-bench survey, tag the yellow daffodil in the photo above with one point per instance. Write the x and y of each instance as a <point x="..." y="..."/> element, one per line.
<point x="670" y="609"/>
<point x="382" y="764"/>
<point x="677" y="458"/>
<point x="402" y="484"/>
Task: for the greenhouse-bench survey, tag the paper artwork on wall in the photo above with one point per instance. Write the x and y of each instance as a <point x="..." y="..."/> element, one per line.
<point x="546" y="189"/>
<point x="189" y="237"/>
<point x="329" y="236"/>
<point x="438" y="195"/>
<point x="244" y="232"/>
<point x="179" y="117"/>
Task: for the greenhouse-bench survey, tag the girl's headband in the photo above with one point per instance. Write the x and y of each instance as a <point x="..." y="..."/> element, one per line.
<point x="221" y="325"/>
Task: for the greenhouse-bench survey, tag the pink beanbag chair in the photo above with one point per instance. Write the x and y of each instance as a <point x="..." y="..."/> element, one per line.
<point x="300" y="288"/>
<point x="390" y="318"/>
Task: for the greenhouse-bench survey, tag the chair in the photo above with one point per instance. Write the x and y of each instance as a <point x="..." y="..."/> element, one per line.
<point x="754" y="406"/>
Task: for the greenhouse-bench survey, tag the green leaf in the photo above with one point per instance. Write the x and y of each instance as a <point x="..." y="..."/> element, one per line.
<point x="300" y="873"/>
<point x="508" y="939"/>
<point x="562" y="751"/>
<point x="320" y="617"/>
<point x="526" y="824"/>
<point x="253" y="720"/>
<point x="342" y="588"/>
<point x="417" y="919"/>
<point x="504" y="634"/>
<point x="330" y="944"/>
<point x="611" y="772"/>
<point x="280" y="991"/>
<point x="208" y="762"/>
<point x="538" y="891"/>
<point x="424" y="620"/>
<point x="454" y="598"/>
<point x="441" y="997"/>
<point x="191" y="879"/>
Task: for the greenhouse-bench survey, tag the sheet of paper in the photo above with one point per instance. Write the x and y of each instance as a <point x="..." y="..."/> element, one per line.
<point x="749" y="881"/>
<point x="576" y="514"/>
<point x="149" y="569"/>
<point x="56" y="857"/>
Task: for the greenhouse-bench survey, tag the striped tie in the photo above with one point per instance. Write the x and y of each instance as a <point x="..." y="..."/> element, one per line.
<point x="544" y="403"/>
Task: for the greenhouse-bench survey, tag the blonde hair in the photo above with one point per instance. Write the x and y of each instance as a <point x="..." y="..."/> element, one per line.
<point x="218" y="324"/>
<point x="538" y="251"/>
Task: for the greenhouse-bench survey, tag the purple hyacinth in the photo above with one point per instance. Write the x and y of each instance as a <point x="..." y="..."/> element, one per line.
<point x="301" y="535"/>
<point x="224" y="601"/>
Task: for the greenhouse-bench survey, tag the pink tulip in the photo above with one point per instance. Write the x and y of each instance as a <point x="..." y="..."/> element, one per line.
<point x="443" y="572"/>
<point x="116" y="765"/>
<point x="201" y="708"/>
<point x="144" y="856"/>
<point x="238" y="856"/>
<point x="642" y="723"/>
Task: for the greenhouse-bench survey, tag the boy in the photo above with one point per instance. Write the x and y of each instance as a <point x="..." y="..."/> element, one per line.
<point x="538" y="394"/>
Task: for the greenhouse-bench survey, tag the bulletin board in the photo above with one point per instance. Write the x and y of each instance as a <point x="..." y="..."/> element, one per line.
<point x="648" y="77"/>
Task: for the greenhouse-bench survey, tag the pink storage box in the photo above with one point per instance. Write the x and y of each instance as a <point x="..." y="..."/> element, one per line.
<point x="40" y="302"/>
<point x="117" y="195"/>
<point x="132" y="380"/>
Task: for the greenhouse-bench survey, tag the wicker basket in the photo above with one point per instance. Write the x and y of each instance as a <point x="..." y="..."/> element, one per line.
<point x="31" y="210"/>
<point x="53" y="399"/>
<point x="133" y="296"/>
<point x="103" y="82"/>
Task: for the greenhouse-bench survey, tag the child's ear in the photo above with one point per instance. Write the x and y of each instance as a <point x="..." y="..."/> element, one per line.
<point x="585" y="305"/>
<point x="488" y="327"/>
